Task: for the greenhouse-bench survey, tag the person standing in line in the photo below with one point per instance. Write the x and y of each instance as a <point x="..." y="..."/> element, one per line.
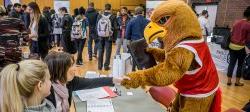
<point x="76" y="13"/>
<point x="92" y="15"/>
<point x="66" y="25"/>
<point x="57" y="30"/>
<point x="25" y="17"/>
<point x="136" y="26"/>
<point x="106" y="26"/>
<point x="16" y="11"/>
<point x="39" y="31"/>
<point x="47" y="15"/>
<point x="122" y="22"/>
<point x="239" y="41"/>
<point x="203" y="20"/>
<point x="80" y="33"/>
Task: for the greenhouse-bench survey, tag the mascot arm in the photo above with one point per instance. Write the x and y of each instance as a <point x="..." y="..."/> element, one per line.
<point x="178" y="61"/>
<point x="158" y="54"/>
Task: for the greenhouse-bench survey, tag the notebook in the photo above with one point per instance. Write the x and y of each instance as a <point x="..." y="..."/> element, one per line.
<point x="143" y="60"/>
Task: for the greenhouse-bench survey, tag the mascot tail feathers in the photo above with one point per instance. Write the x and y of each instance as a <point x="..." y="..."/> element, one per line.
<point x="216" y="105"/>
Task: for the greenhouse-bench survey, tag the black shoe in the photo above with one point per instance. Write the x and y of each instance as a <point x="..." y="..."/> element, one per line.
<point x="239" y="84"/>
<point x="90" y="59"/>
<point x="99" y="68"/>
<point x="229" y="83"/>
<point x="106" y="68"/>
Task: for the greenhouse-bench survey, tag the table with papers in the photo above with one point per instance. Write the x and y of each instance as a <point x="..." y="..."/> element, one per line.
<point x="130" y="100"/>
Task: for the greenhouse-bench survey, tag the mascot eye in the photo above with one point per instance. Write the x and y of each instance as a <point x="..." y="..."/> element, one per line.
<point x="163" y="20"/>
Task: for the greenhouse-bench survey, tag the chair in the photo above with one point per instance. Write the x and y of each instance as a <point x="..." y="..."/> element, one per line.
<point x="163" y="95"/>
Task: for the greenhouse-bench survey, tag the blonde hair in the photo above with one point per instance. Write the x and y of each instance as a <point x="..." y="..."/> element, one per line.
<point x="18" y="81"/>
<point x="37" y="14"/>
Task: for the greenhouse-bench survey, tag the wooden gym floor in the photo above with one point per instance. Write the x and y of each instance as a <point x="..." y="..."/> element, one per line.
<point x="233" y="97"/>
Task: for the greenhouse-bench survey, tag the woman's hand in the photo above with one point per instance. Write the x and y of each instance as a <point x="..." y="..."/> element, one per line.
<point x="119" y="80"/>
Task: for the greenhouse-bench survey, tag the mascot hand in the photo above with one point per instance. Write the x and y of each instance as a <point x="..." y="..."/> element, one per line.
<point x="133" y="80"/>
<point x="158" y="54"/>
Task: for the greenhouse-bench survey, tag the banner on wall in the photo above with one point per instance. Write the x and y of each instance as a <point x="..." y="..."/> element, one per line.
<point x="7" y="2"/>
<point x="61" y="3"/>
<point x="150" y="5"/>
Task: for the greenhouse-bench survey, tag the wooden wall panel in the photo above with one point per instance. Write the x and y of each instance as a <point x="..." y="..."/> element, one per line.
<point x="41" y="3"/>
<point x="77" y="4"/>
<point x="1" y="2"/>
<point x="99" y="4"/>
<point x="45" y="3"/>
<point x="132" y="2"/>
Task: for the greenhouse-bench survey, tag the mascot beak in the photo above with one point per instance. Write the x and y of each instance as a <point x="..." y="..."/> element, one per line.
<point x="154" y="31"/>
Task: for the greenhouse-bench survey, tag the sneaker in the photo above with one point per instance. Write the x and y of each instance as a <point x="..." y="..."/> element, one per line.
<point x="239" y="84"/>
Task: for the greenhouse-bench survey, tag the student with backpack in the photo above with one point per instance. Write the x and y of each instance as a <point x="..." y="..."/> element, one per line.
<point x="239" y="39"/>
<point x="57" y="29"/>
<point x="66" y="25"/>
<point x="79" y="34"/>
<point x="92" y="15"/>
<point x="106" y="26"/>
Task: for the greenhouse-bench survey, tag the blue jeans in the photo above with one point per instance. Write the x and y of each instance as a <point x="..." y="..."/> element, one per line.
<point x="79" y="44"/>
<point x="105" y="43"/>
<point x="92" y="37"/>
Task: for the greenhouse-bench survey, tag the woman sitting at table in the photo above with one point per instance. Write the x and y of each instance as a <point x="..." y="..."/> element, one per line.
<point x="64" y="81"/>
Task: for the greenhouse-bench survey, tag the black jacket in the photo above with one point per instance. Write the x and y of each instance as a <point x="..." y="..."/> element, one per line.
<point x="119" y="25"/>
<point x="25" y="17"/>
<point x="14" y="14"/>
<point x="92" y="15"/>
<point x="43" y="36"/>
<point x="66" y="26"/>
<point x="79" y="83"/>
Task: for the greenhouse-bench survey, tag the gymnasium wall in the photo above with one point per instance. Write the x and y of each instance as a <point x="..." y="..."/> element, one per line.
<point x="99" y="4"/>
<point x="1" y="2"/>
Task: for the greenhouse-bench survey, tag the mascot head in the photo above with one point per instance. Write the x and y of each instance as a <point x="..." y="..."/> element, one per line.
<point x="173" y="21"/>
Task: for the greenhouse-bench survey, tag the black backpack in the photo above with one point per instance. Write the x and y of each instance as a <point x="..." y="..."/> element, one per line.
<point x="222" y="36"/>
<point x="246" y="68"/>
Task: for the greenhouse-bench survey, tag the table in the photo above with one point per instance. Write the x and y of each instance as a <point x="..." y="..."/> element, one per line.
<point x="140" y="101"/>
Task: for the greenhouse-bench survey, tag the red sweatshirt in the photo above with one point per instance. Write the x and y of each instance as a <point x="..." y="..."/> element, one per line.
<point x="241" y="32"/>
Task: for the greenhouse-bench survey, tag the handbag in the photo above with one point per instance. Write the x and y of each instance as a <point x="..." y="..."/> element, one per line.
<point x="143" y="60"/>
<point x="122" y="64"/>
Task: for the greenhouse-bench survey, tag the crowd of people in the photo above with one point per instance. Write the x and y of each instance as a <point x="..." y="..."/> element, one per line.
<point x="48" y="29"/>
<point x="31" y="79"/>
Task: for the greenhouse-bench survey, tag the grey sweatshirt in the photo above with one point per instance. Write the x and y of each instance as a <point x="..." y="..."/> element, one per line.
<point x="46" y="106"/>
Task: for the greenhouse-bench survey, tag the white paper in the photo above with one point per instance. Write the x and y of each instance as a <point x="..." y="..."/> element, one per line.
<point x="100" y="105"/>
<point x="91" y="74"/>
<point x="129" y="93"/>
<point x="90" y="94"/>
